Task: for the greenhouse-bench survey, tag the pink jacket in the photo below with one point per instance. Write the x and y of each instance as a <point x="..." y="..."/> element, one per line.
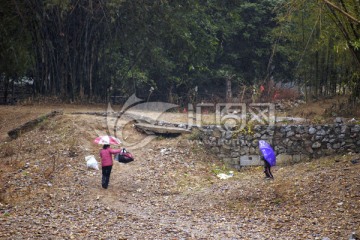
<point x="106" y="157"/>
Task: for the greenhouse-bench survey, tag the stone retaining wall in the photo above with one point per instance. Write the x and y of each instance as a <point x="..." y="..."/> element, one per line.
<point x="291" y="143"/>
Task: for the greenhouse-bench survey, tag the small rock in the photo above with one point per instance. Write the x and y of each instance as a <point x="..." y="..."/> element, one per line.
<point x="338" y="120"/>
<point x="336" y="146"/>
<point x="321" y="132"/>
<point x="290" y="133"/>
<point x="316" y="145"/>
<point x="312" y="130"/>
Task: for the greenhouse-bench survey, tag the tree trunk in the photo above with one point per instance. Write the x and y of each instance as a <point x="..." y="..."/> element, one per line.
<point x="228" y="90"/>
<point x="6" y="88"/>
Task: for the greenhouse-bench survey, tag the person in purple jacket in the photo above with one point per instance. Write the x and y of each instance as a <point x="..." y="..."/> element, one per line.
<point x="106" y="163"/>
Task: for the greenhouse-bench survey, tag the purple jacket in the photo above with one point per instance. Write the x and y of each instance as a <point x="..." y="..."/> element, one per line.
<point x="106" y="157"/>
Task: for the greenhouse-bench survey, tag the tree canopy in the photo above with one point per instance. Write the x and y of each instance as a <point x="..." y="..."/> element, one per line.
<point x="89" y="50"/>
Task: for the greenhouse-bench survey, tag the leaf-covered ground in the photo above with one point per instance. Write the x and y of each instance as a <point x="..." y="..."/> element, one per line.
<point x="169" y="192"/>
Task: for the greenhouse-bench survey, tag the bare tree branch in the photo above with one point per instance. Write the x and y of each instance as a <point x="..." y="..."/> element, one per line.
<point x="332" y="5"/>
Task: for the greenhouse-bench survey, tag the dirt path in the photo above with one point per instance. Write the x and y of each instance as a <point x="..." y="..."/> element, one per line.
<point x="169" y="192"/>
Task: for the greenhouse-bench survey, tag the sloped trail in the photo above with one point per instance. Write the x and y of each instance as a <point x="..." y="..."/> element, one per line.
<point x="171" y="192"/>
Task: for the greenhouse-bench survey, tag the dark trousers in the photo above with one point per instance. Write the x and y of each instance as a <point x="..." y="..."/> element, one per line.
<point x="267" y="170"/>
<point x="106" y="171"/>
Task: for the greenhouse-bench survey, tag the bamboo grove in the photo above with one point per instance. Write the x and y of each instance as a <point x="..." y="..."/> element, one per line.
<point x="87" y="50"/>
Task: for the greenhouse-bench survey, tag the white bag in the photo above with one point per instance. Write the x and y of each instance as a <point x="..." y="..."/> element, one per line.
<point x="91" y="162"/>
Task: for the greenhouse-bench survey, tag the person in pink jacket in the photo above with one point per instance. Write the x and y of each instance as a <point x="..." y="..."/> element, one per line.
<point x="106" y="163"/>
